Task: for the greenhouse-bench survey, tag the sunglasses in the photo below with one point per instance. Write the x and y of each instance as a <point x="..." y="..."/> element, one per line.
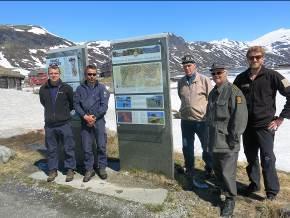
<point x="92" y="74"/>
<point x="257" y="57"/>
<point x="53" y="65"/>
<point x="217" y="73"/>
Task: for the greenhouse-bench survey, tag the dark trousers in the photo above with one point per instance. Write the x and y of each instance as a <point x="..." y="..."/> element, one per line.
<point x="54" y="137"/>
<point x="225" y="170"/>
<point x="189" y="129"/>
<point x="89" y="136"/>
<point x="263" y="139"/>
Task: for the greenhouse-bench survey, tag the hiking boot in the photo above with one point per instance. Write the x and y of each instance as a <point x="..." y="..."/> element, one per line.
<point x="102" y="173"/>
<point x="209" y="174"/>
<point x="69" y="175"/>
<point x="271" y="197"/>
<point x="88" y="175"/>
<point x="228" y="208"/>
<point x="51" y="175"/>
<point x="251" y="188"/>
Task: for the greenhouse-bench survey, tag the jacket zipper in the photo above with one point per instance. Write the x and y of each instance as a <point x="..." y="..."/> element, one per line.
<point x="55" y="102"/>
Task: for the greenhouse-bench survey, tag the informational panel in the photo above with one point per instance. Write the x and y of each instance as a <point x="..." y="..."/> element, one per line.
<point x="71" y="61"/>
<point x="142" y="103"/>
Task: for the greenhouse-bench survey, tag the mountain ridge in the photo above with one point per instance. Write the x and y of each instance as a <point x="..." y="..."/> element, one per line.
<point x="24" y="47"/>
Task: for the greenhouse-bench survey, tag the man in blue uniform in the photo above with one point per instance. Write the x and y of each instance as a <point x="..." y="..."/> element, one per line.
<point x="57" y="100"/>
<point x="91" y="103"/>
<point x="260" y="85"/>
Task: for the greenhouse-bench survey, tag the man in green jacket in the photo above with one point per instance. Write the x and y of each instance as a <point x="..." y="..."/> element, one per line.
<point x="227" y="117"/>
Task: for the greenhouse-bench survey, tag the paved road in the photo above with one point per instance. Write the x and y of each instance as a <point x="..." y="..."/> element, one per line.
<point x="12" y="206"/>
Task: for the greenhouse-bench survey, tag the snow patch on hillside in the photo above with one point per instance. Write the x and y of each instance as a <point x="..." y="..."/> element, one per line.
<point x="4" y="62"/>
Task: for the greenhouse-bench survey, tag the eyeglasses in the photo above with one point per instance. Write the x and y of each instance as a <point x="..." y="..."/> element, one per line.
<point x="53" y="65"/>
<point x="92" y="74"/>
<point x="257" y="57"/>
<point x="217" y="73"/>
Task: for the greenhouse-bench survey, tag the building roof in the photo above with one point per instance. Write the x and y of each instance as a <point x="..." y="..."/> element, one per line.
<point x="9" y="73"/>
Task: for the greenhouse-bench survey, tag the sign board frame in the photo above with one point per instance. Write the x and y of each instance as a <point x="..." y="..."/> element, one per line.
<point x="142" y="103"/>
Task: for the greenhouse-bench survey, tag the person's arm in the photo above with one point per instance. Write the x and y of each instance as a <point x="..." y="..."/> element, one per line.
<point x="238" y="117"/>
<point x="283" y="86"/>
<point x="77" y="103"/>
<point x="70" y="95"/>
<point x="209" y="86"/>
<point x="41" y="99"/>
<point x="104" y="101"/>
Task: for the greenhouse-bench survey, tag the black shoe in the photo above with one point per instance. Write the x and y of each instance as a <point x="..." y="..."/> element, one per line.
<point x="102" y="173"/>
<point x="271" y="197"/>
<point x="228" y="208"/>
<point x="251" y="188"/>
<point x="51" y="175"/>
<point x="88" y="175"/>
<point x="69" y="175"/>
<point x="209" y="174"/>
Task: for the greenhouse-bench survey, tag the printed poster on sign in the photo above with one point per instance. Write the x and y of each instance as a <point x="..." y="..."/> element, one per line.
<point x="137" y="54"/>
<point x="138" y="78"/>
<point x="68" y="66"/>
<point x="141" y="117"/>
<point x="139" y="102"/>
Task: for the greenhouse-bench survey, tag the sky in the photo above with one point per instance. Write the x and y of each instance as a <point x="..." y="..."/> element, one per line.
<point x="111" y="20"/>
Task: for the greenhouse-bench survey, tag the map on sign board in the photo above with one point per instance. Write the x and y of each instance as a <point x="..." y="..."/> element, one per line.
<point x="138" y="78"/>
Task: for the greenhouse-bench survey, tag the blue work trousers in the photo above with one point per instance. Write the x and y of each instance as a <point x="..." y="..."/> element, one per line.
<point x="189" y="129"/>
<point x="90" y="135"/>
<point x="55" y="137"/>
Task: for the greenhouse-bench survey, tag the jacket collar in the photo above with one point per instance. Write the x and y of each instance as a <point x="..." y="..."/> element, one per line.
<point x="221" y="88"/>
<point x="47" y="84"/>
<point x="85" y="84"/>
<point x="261" y="72"/>
<point x="196" y="79"/>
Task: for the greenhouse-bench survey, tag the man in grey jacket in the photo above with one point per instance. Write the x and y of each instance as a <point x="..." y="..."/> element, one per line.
<point x="193" y="91"/>
<point x="227" y="117"/>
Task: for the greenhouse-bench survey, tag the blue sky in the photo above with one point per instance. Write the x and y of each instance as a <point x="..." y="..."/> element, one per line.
<point x="193" y="20"/>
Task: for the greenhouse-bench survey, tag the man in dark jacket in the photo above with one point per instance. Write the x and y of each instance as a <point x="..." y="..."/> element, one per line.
<point x="91" y="103"/>
<point x="57" y="100"/>
<point x="227" y="119"/>
<point x="259" y="85"/>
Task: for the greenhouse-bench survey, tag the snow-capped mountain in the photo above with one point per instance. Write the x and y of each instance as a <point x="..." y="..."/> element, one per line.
<point x="24" y="47"/>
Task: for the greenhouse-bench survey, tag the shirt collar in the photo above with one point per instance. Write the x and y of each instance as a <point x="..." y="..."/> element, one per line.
<point x="221" y="88"/>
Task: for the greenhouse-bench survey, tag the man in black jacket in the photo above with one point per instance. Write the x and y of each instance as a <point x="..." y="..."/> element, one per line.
<point x="260" y="86"/>
<point x="57" y="100"/>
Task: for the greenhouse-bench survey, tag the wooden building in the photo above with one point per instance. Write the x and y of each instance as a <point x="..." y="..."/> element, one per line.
<point x="10" y="79"/>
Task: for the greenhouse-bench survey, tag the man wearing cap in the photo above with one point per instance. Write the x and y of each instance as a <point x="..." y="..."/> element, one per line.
<point x="260" y="85"/>
<point x="227" y="119"/>
<point x="193" y="91"/>
<point x="57" y="100"/>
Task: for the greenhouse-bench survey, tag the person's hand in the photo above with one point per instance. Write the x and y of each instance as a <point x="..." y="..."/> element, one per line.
<point x="274" y="125"/>
<point x="90" y="119"/>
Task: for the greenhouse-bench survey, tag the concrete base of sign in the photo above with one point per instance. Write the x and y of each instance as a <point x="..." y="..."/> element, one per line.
<point x="139" y="195"/>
